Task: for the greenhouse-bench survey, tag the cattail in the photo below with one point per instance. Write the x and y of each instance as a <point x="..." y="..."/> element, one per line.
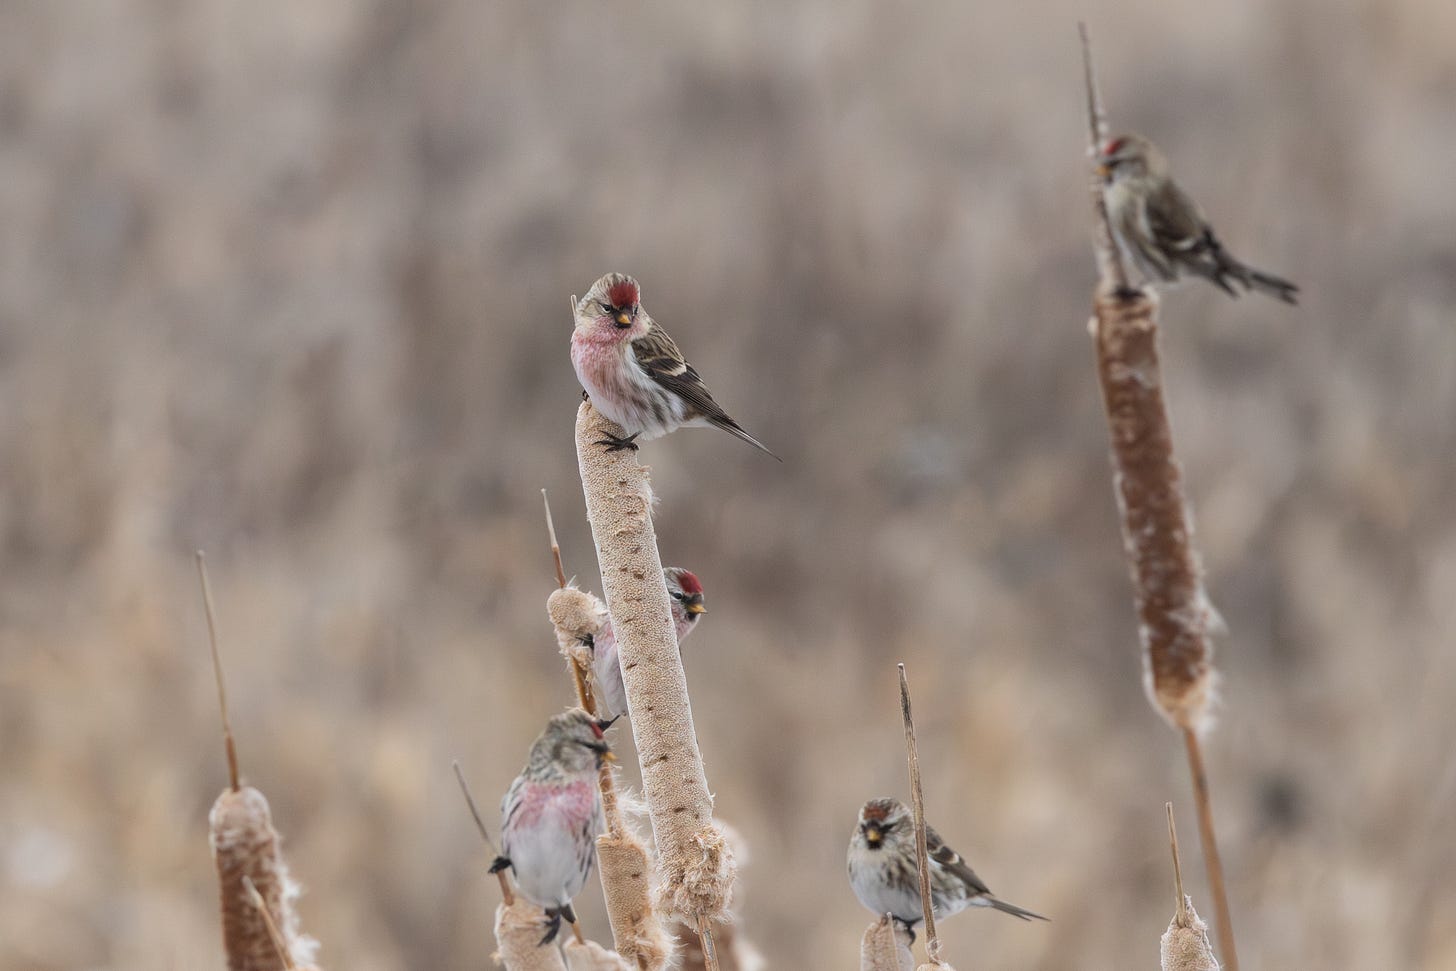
<point x="245" y="849"/>
<point x="695" y="863"/>
<point x="591" y="956"/>
<point x="1174" y="613"/>
<point x="886" y="947"/>
<point x="622" y="860"/>
<point x="735" y="951"/>
<point x="259" y="923"/>
<point x="518" y="929"/>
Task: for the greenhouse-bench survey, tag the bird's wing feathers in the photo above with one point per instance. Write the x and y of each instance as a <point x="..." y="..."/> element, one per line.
<point x="950" y="861"/>
<point x="1175" y="219"/>
<point x="659" y="357"/>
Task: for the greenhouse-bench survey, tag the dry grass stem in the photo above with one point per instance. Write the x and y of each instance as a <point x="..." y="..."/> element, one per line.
<point x="1184" y="946"/>
<point x="249" y="862"/>
<point x="917" y="803"/>
<point x="256" y="899"/>
<point x="886" y="947"/>
<point x="695" y="862"/>
<point x="1181" y="909"/>
<point x="1109" y="259"/>
<point x="1174" y="614"/>
<point x="227" y="728"/>
<point x="518" y="929"/>
<point x="507" y="893"/>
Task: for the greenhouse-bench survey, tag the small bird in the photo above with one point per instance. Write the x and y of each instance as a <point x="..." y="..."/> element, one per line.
<point x="884" y="876"/>
<point x="686" y="592"/>
<point x="552" y="813"/>
<point x="1162" y="230"/>
<point x="634" y="373"/>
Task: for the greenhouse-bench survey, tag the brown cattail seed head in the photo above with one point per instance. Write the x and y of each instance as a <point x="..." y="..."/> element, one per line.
<point x="245" y="844"/>
<point x="1174" y="615"/>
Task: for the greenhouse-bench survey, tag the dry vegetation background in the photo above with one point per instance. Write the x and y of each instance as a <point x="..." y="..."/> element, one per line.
<point x="288" y="281"/>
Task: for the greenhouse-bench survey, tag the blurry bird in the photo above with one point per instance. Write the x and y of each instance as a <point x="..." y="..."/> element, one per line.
<point x="634" y="373"/>
<point x="686" y="593"/>
<point x="1162" y="230"/>
<point x="552" y="813"/>
<point x="884" y="876"/>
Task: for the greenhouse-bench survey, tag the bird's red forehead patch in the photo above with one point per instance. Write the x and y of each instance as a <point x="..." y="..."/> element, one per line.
<point x="1113" y="144"/>
<point x="597" y="729"/>
<point x="623" y="293"/>
<point x="690" y="582"/>
<point x="875" y="812"/>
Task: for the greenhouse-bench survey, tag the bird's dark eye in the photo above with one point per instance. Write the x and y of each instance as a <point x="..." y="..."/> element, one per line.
<point x="677" y="595"/>
<point x="609" y="310"/>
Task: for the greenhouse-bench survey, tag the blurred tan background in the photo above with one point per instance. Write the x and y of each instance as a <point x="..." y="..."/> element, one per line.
<point x="289" y="282"/>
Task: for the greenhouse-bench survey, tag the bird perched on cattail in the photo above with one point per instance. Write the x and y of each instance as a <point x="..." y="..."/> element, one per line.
<point x="552" y="813"/>
<point x="634" y="373"/>
<point x="686" y="593"/>
<point x="884" y="876"/>
<point x="1162" y="230"/>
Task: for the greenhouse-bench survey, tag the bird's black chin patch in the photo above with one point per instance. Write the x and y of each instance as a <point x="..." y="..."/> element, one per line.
<point x="621" y="326"/>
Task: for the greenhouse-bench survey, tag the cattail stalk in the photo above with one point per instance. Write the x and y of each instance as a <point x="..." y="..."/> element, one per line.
<point x="886" y="947"/>
<point x="260" y="926"/>
<point x="507" y="893"/>
<point x="917" y="804"/>
<point x="622" y="860"/>
<point x="1174" y="614"/>
<point x="1184" y="946"/>
<point x="695" y="862"/>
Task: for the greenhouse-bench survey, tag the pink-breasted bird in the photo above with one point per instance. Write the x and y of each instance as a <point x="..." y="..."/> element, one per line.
<point x="686" y="593"/>
<point x="634" y="373"/>
<point x="884" y="876"/>
<point x="1162" y="230"/>
<point x="552" y="813"/>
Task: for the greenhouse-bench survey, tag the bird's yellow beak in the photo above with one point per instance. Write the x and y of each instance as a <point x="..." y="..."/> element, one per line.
<point x="696" y="608"/>
<point x="624" y="318"/>
<point x="609" y="756"/>
<point x="873" y="836"/>
<point x="1104" y="170"/>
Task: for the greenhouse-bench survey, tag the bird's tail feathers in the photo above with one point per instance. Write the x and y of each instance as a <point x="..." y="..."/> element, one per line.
<point x="736" y="430"/>
<point x="1273" y="286"/>
<point x="1014" y="910"/>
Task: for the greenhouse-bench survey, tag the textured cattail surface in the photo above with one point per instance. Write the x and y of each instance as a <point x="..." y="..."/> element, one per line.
<point x="1174" y="613"/>
<point x="695" y="863"/>
<point x="518" y="931"/>
<point x="1185" y="945"/>
<point x="245" y="844"/>
<point x="591" y="956"/>
<point x="637" y="933"/>
<point x="886" y="947"/>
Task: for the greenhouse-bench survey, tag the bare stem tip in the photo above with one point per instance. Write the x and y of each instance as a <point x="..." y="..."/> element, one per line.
<point x="227" y="730"/>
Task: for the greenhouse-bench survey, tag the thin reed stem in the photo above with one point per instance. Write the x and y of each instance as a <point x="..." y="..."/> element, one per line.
<point x="227" y="728"/>
<point x="1211" y="860"/>
<point x="507" y="893"/>
<point x="917" y="803"/>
